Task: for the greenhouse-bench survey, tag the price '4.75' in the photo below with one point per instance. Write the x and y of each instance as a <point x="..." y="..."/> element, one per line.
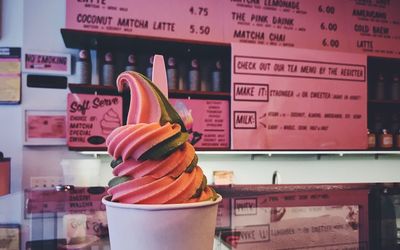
<point x="201" y="11"/>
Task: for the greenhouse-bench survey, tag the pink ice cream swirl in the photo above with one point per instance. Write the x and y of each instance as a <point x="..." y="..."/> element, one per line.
<point x="152" y="160"/>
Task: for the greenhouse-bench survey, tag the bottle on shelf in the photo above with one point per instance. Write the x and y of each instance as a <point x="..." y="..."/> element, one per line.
<point x="83" y="67"/>
<point x="385" y="139"/>
<point x="216" y="76"/>
<point x="380" y="87"/>
<point x="371" y="139"/>
<point x="395" y="123"/>
<point x="378" y="121"/>
<point x="194" y="75"/>
<point x="395" y="87"/>
<point x="131" y="63"/>
<point x="396" y="140"/>
<point x="172" y="73"/>
<point x="108" y="72"/>
<point x="149" y="67"/>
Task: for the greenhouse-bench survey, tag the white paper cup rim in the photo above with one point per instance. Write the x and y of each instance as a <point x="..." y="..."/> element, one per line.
<point x="106" y="201"/>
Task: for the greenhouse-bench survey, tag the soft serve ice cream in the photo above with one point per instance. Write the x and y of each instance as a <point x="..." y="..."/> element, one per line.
<point x="152" y="161"/>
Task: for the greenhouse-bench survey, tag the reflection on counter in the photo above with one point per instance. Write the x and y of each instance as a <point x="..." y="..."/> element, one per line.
<point x="294" y="217"/>
<point x="341" y="216"/>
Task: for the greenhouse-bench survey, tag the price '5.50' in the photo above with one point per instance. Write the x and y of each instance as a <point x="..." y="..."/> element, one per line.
<point x="202" y="29"/>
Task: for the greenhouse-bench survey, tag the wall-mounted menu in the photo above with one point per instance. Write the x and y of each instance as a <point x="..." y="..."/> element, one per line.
<point x="91" y="118"/>
<point x="10" y="75"/>
<point x="288" y="98"/>
<point x="207" y="122"/>
<point x="188" y="20"/>
<point x="357" y="26"/>
<point x="374" y="27"/>
<point x="284" y="23"/>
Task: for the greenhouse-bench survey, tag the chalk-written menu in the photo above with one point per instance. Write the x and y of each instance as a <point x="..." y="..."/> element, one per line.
<point x="304" y="100"/>
<point x="357" y="26"/>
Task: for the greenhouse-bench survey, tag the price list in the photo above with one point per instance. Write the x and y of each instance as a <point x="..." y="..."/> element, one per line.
<point x="371" y="27"/>
<point x="186" y="20"/>
<point x="275" y="23"/>
<point x="326" y="26"/>
<point x="374" y="27"/>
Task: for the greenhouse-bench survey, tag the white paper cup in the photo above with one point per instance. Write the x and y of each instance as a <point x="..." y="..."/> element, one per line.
<point x="81" y="172"/>
<point x="154" y="227"/>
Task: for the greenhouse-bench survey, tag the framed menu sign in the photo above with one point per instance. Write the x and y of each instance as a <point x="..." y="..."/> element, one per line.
<point x="10" y="75"/>
<point x="45" y="127"/>
<point x="91" y="118"/>
<point x="207" y="122"/>
<point x="299" y="99"/>
<point x="10" y="236"/>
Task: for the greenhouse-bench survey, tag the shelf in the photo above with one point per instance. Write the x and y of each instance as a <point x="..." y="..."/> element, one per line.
<point x="392" y="102"/>
<point x="281" y="152"/>
<point x="97" y="40"/>
<point x="92" y="89"/>
<point x="111" y="90"/>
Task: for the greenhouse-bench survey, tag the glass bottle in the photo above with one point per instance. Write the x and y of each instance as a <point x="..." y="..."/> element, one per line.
<point x="397" y="139"/>
<point x="385" y="140"/>
<point x="131" y="63"/>
<point x="149" y="68"/>
<point x="194" y="75"/>
<point x="216" y="77"/>
<point x="394" y="123"/>
<point x="395" y="88"/>
<point x="378" y="121"/>
<point x="108" y="70"/>
<point x="380" y="87"/>
<point x="371" y="139"/>
<point x="172" y="73"/>
<point x="83" y="67"/>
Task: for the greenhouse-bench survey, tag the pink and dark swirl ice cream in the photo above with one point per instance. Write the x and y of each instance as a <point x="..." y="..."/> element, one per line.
<point x="152" y="161"/>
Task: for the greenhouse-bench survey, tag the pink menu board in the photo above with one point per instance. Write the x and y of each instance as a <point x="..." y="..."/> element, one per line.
<point x="356" y="26"/>
<point x="282" y="23"/>
<point x="186" y="20"/>
<point x="374" y="27"/>
<point x="206" y="120"/>
<point x="297" y="99"/>
<point x="91" y="118"/>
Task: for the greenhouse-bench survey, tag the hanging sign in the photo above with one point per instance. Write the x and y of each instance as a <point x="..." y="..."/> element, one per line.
<point x="297" y="99"/>
<point x="175" y="19"/>
<point x="370" y="27"/>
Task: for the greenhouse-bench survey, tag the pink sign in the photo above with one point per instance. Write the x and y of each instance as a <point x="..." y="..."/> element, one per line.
<point x="91" y="118"/>
<point x="46" y="126"/>
<point x="47" y="63"/>
<point x="76" y="200"/>
<point x="186" y="20"/>
<point x="373" y="27"/>
<point x="206" y="120"/>
<point x="297" y="99"/>
<point x="370" y="27"/>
